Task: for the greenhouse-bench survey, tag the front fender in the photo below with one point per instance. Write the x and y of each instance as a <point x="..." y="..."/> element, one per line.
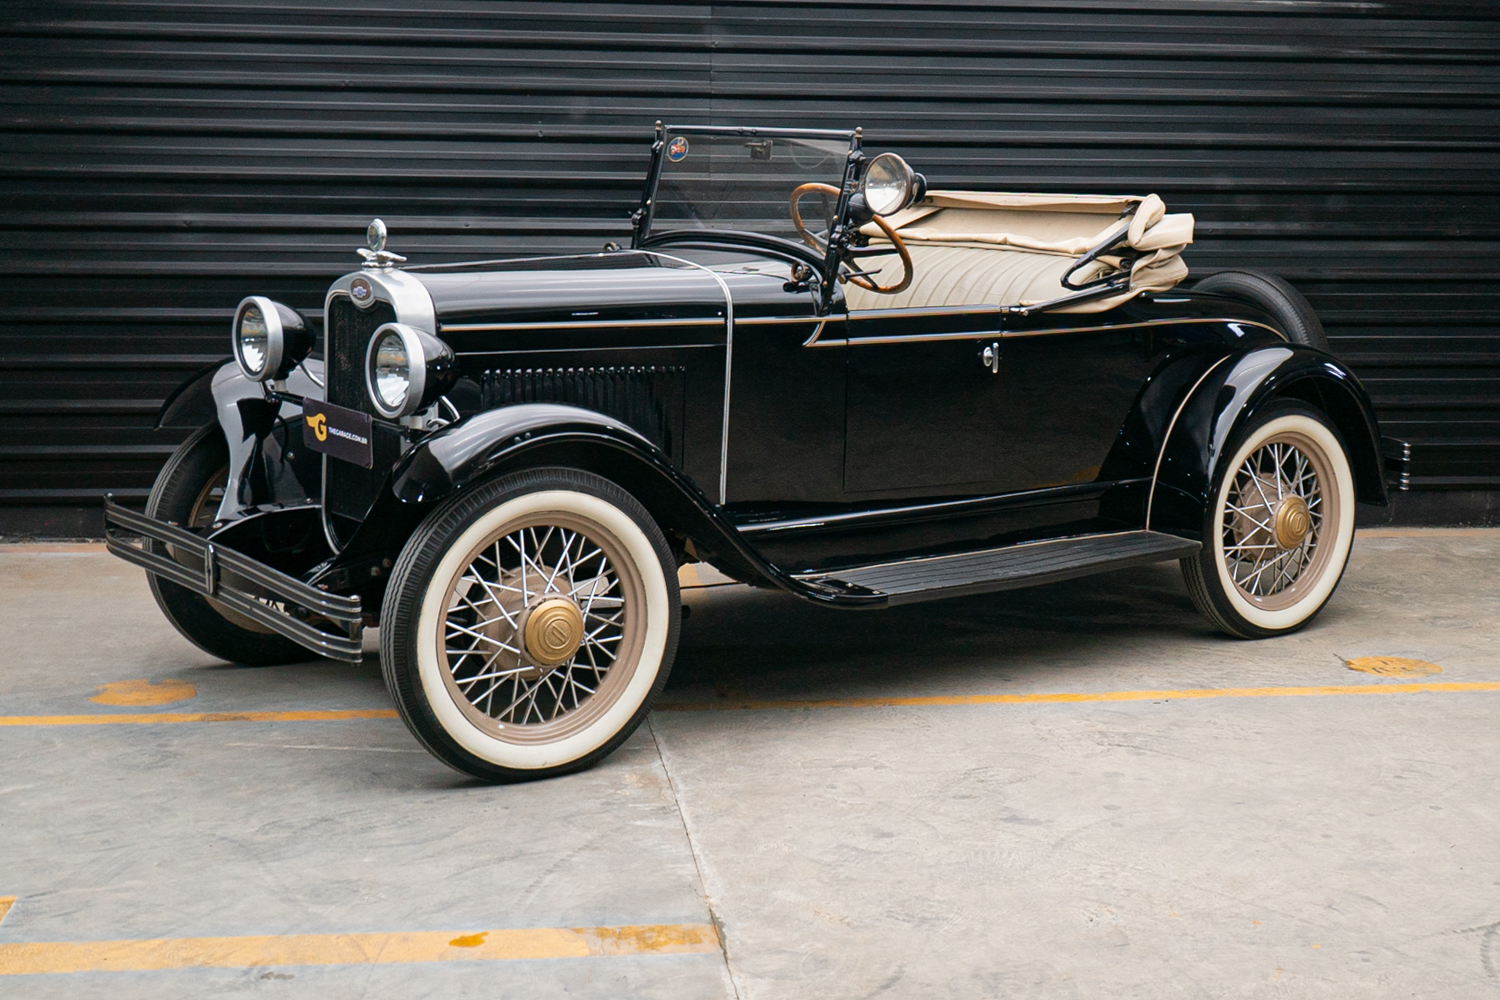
<point x="191" y="404"/>
<point x="267" y="463"/>
<point x="1228" y="398"/>
<point x="528" y="435"/>
<point x="456" y="456"/>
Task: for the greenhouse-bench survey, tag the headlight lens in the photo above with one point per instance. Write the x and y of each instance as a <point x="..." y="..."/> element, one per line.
<point x="254" y="340"/>
<point x="269" y="339"/>
<point x="887" y="184"/>
<point x="392" y="372"/>
<point x="406" y="370"/>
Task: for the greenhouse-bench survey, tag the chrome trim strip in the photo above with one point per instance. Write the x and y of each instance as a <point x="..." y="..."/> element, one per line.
<point x="856" y="341"/>
<point x="974" y="310"/>
<point x="1167" y="437"/>
<point x="598" y="324"/>
<point x="877" y="314"/>
<point x="575" y="350"/>
<point x="788" y="320"/>
<point x="328" y="533"/>
<point x="1140" y="323"/>
<point x="728" y="363"/>
<point x="812" y="338"/>
<point x="459" y="266"/>
<point x="1013" y="334"/>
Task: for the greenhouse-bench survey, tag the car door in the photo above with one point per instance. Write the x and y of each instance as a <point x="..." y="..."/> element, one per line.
<point x="922" y="398"/>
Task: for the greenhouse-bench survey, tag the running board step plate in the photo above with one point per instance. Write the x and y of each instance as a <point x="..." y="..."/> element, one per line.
<point x="1026" y="565"/>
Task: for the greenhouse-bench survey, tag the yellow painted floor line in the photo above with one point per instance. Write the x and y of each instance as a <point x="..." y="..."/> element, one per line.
<point x="1061" y="697"/>
<point x="6" y="902"/>
<point x="154" y="718"/>
<point x="354" y="949"/>
<point x="1068" y="697"/>
<point x="1416" y="532"/>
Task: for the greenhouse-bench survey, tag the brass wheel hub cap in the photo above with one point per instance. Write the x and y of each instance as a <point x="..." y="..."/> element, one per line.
<point x="1293" y="521"/>
<point x="553" y="631"/>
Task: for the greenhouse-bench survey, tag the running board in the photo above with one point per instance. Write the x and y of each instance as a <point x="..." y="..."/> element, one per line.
<point x="1027" y="565"/>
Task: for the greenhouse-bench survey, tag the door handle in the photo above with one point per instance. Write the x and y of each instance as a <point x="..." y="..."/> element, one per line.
<point x="991" y="358"/>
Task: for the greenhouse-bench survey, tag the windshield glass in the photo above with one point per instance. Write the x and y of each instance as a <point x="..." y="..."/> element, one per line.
<point x="745" y="182"/>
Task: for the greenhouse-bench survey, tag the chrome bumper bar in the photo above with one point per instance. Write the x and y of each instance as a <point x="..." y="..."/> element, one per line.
<point x="328" y="624"/>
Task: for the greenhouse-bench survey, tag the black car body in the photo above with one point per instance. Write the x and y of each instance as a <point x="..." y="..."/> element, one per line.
<point x="856" y="457"/>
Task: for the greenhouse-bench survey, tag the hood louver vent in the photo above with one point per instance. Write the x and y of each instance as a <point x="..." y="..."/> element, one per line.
<point x="647" y="398"/>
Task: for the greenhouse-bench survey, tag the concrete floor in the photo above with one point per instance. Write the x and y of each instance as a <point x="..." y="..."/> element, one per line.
<point x="1245" y="846"/>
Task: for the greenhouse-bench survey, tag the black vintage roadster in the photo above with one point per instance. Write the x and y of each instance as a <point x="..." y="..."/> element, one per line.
<point x="808" y="370"/>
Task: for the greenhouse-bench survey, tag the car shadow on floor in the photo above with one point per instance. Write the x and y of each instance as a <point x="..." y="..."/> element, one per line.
<point x="744" y="642"/>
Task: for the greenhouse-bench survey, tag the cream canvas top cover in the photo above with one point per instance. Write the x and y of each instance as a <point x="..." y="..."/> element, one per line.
<point x="997" y="248"/>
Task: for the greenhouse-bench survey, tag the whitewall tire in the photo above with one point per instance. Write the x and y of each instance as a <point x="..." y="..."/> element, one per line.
<point x="1279" y="527"/>
<point x="529" y="624"/>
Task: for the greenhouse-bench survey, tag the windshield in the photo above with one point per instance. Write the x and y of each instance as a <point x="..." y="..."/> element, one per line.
<point x="744" y="181"/>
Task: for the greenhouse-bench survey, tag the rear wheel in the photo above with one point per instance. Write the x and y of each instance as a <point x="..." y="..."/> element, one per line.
<point x="187" y="493"/>
<point x="1277" y="535"/>
<point x="529" y="624"/>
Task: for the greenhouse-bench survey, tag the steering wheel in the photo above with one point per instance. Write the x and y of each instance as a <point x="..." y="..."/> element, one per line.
<point x="822" y="247"/>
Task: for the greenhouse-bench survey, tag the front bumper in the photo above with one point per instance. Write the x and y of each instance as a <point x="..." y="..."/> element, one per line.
<point x="328" y="624"/>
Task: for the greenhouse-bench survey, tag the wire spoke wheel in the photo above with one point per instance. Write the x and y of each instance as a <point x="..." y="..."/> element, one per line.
<point x="529" y="624"/>
<point x="1273" y="520"/>
<point x="1279" y="532"/>
<point x="541" y="628"/>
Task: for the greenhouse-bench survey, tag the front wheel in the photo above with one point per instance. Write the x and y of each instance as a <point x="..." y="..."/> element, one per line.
<point x="1279" y="528"/>
<point x="529" y="624"/>
<point x="187" y="493"/>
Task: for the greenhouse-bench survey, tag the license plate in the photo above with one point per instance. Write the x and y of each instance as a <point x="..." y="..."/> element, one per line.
<point x="337" y="431"/>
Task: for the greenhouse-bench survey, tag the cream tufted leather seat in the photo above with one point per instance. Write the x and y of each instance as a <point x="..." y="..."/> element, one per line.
<point x="983" y="248"/>
<point x="961" y="276"/>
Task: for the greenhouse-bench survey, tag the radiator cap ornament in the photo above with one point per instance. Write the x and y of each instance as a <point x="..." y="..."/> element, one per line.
<point x="377" y="256"/>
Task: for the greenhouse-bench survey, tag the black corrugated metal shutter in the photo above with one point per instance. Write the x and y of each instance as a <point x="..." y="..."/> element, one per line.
<point x="161" y="160"/>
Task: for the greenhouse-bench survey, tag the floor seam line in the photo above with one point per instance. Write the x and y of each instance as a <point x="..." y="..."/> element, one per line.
<point x="687" y="834"/>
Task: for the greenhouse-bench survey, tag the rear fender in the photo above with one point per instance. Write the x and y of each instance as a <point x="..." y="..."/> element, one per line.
<point x="1228" y="398"/>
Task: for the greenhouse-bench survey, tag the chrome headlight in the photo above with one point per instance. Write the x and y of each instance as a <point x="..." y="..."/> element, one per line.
<point x="889" y="184"/>
<point x="406" y="370"/>
<point x="269" y="339"/>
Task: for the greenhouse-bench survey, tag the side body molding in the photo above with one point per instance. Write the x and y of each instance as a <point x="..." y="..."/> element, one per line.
<point x="1228" y="397"/>
<point x="530" y="435"/>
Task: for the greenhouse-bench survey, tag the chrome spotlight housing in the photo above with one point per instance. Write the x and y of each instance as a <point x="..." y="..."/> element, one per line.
<point x="890" y="184"/>
<point x="269" y="339"/>
<point x="407" y="370"/>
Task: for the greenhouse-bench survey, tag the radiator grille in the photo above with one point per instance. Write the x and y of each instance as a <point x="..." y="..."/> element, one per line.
<point x="350" y="489"/>
<point x="348" y="335"/>
<point x="648" y="398"/>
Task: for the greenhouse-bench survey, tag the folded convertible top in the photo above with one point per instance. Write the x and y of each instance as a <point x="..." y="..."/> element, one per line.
<point x="983" y="231"/>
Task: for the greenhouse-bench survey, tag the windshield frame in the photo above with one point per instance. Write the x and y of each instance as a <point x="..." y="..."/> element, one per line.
<point x="826" y="263"/>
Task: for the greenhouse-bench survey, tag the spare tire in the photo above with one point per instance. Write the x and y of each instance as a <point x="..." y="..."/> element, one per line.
<point x="1276" y="296"/>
